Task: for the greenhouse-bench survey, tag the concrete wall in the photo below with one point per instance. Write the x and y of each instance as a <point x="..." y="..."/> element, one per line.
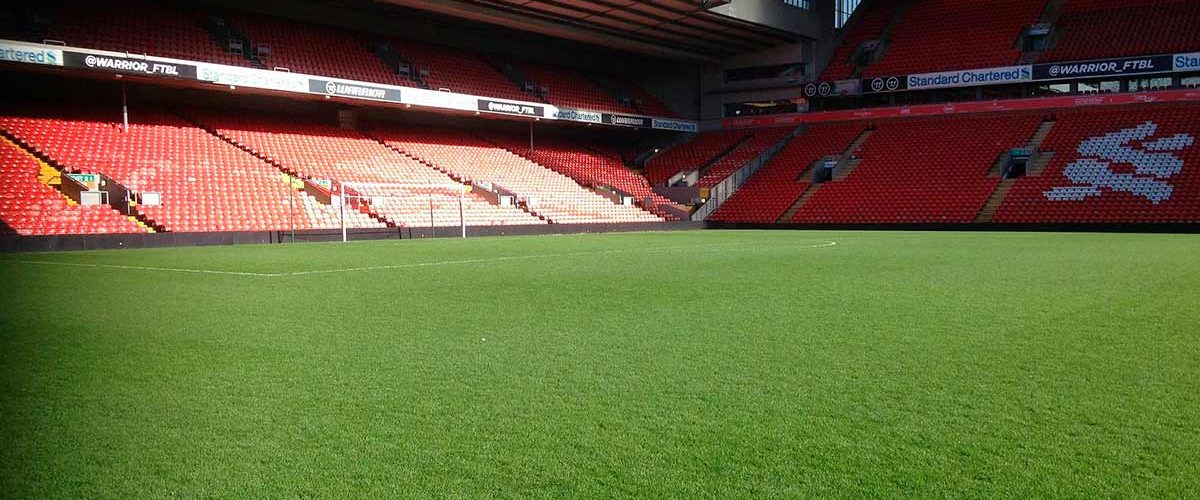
<point x="778" y="15"/>
<point x="816" y="24"/>
<point x="678" y="88"/>
<point x="13" y="243"/>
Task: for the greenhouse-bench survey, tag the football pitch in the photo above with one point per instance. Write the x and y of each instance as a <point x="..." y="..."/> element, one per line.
<point x="702" y="364"/>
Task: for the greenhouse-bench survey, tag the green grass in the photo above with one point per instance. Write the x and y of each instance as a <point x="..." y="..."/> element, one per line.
<point x="660" y="365"/>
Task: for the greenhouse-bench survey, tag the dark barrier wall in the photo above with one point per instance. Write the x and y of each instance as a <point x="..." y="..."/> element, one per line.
<point x="13" y="243"/>
<point x="114" y="241"/>
<point x="1063" y="228"/>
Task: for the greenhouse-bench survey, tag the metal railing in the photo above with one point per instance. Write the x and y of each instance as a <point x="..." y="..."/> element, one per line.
<point x="721" y="192"/>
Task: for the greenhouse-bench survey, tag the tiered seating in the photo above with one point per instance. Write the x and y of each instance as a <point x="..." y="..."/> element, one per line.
<point x="649" y="105"/>
<point x="316" y="50"/>
<point x="922" y="170"/>
<point x="693" y="154"/>
<point x="30" y="207"/>
<point x="872" y="18"/>
<point x="162" y="29"/>
<point x="749" y="150"/>
<point x="943" y="35"/>
<point x="319" y="151"/>
<point x="570" y="89"/>
<point x="552" y="195"/>
<point x="1094" y="29"/>
<point x="206" y="184"/>
<point x="593" y="165"/>
<point x="153" y="28"/>
<point x="772" y="190"/>
<point x="1143" y="171"/>
<point x="458" y="70"/>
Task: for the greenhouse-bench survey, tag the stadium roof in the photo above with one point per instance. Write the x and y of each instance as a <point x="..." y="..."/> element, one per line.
<point x="676" y="29"/>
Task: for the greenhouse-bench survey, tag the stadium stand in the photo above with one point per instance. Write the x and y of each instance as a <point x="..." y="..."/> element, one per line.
<point x="1094" y="29"/>
<point x="29" y="206"/>
<point x="547" y="193"/>
<point x="696" y="153"/>
<point x="206" y="184"/>
<point x="315" y="50"/>
<point x="715" y="155"/>
<point x="1128" y="164"/>
<point x="229" y="171"/>
<point x="644" y="102"/>
<point x="869" y="25"/>
<point x="776" y="186"/>
<point x="137" y="27"/>
<point x="457" y="70"/>
<point x="921" y="170"/>
<point x="176" y="31"/>
<point x="742" y="154"/>
<point x="590" y="165"/>
<point x="398" y="183"/>
<point x="571" y="89"/>
<point x="942" y="35"/>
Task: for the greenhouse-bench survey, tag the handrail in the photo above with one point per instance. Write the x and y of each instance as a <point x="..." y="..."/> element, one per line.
<point x="718" y="194"/>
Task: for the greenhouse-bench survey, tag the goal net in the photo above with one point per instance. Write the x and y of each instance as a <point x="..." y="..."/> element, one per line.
<point x="440" y="207"/>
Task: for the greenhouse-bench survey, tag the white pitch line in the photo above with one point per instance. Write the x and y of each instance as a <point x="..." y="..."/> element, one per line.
<point x="692" y="248"/>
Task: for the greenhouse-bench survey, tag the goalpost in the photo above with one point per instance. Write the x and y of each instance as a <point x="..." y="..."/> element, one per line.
<point x="398" y="201"/>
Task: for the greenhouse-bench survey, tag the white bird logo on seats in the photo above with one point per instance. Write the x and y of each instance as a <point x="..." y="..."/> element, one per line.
<point x="1153" y="164"/>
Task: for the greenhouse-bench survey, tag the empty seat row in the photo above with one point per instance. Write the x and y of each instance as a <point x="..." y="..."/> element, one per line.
<point x="1096" y="29"/>
<point x="393" y="187"/>
<point x="205" y="183"/>
<point x="30" y="207"/>
<point x="1122" y="164"/>
<point x="869" y="22"/>
<point x="590" y="164"/>
<point x="697" y="152"/>
<point x="767" y="195"/>
<point x="551" y="195"/>
<point x="944" y="35"/>
<point x="742" y="154"/>
<point x="921" y="170"/>
<point x="1130" y="164"/>
<point x="186" y="32"/>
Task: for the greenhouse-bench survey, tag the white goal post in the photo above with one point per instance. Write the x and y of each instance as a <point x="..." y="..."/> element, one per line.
<point x="381" y="193"/>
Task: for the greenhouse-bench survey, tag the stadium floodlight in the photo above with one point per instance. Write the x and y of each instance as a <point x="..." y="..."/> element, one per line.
<point x="410" y="205"/>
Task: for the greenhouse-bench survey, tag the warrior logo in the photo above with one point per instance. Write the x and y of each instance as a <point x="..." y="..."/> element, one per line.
<point x="1152" y="163"/>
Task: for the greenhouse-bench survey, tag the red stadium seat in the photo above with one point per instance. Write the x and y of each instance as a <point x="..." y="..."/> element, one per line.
<point x="1104" y="182"/>
<point x="1096" y="29"/>
<point x="32" y="208"/>
<point x="945" y="35"/>
<point x="550" y="194"/>
<point x="921" y="170"/>
<point x="772" y="190"/>
<point x="397" y="183"/>
<point x="590" y="165"/>
<point x="206" y="183"/>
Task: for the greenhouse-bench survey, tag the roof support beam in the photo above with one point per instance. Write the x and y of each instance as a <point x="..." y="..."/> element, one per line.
<point x="476" y="12"/>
